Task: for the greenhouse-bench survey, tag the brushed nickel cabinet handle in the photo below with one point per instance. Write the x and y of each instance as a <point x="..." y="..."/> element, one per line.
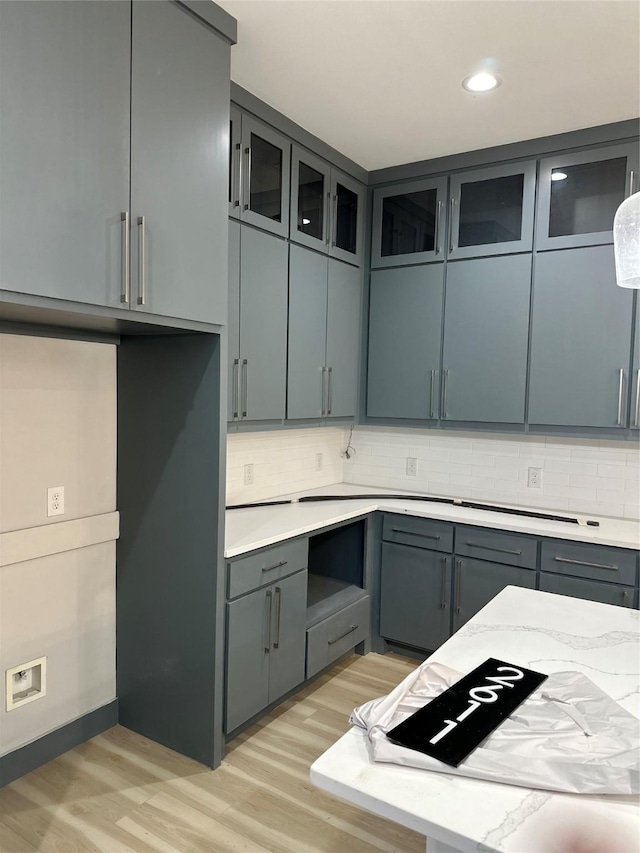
<point x="620" y="390"/>
<point x="625" y="596"/>
<point x="235" y="382"/>
<point x="323" y="410"/>
<point x="492" y="548"/>
<point x="588" y="565"/>
<point x="125" y="293"/>
<point x="327" y="218"/>
<point x="276" y="642"/>
<point x="636" y="419"/>
<point x="458" y="584"/>
<point x="329" y="389"/>
<point x="431" y="391"/>
<point x="267" y="640"/>
<point x="443" y="589"/>
<point x="142" y="237"/>
<point x="436" y="236"/>
<point x="413" y="533"/>
<point x="334" y="221"/>
<point x="342" y="636"/>
<point x="238" y="176"/>
<point x="452" y="208"/>
<point x="275" y="566"/>
<point x="247" y="179"/>
<point x="245" y="389"/>
<point x="632" y="181"/>
<point x="445" y="383"/>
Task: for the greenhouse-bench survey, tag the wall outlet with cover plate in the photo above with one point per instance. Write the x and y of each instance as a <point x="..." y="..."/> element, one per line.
<point x="26" y="682"/>
<point x="55" y="501"/>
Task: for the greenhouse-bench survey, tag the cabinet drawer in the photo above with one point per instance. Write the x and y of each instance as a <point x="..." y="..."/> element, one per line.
<point x="606" y="593"/>
<point x="497" y="547"/>
<point x="589" y="561"/>
<point x="330" y="639"/>
<point x="256" y="570"/>
<point x="419" y="532"/>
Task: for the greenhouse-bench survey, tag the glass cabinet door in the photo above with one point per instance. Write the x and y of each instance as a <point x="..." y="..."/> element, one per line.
<point x="580" y="193"/>
<point x="265" y="177"/>
<point x="310" y="200"/>
<point x="491" y="211"/>
<point x="235" y="160"/>
<point x="408" y="223"/>
<point x="347" y="218"/>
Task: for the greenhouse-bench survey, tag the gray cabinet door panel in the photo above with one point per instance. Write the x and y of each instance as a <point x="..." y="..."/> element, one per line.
<point x="235" y="162"/>
<point x="607" y="593"/>
<point x="485" y="339"/>
<point x="635" y="373"/>
<point x="309" y="219"/>
<point x="288" y="635"/>
<point x="418" y="532"/>
<point x="64" y="157"/>
<point x="415" y="588"/>
<point x="233" y="324"/>
<point x="248" y="652"/>
<point x="405" y="331"/>
<point x="266" y="167"/>
<point x="179" y="164"/>
<point x="581" y="340"/>
<point x="344" y="301"/>
<point x="496" y="545"/>
<point x="346" y="239"/>
<point x="307" y="333"/>
<point x="263" y="324"/>
<point x="476" y="582"/>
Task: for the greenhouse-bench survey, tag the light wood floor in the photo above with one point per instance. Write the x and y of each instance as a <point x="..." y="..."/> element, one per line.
<point x="122" y="792"/>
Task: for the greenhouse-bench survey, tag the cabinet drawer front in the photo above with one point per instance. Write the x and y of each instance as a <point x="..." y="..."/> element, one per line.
<point x="497" y="547"/>
<point x="330" y="639"/>
<point x="589" y="561"/>
<point x="257" y="570"/>
<point x="606" y="593"/>
<point x="419" y="532"/>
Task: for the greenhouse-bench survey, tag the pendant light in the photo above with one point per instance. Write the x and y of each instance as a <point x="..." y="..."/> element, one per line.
<point x="626" y="242"/>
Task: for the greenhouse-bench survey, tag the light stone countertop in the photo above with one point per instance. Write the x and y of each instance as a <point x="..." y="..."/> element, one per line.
<point x="548" y="633"/>
<point x="257" y="527"/>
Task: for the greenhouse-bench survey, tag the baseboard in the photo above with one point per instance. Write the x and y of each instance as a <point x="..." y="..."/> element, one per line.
<point x="27" y="758"/>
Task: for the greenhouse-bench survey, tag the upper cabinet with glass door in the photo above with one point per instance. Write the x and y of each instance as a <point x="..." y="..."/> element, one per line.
<point x="327" y="208"/>
<point x="579" y="194"/>
<point x="259" y="161"/>
<point x="408" y="223"/>
<point x="491" y="211"/>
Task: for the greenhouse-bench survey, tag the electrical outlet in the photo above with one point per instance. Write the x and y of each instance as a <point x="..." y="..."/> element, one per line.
<point x="319" y="462"/>
<point x="412" y="466"/>
<point x="248" y="475"/>
<point x="55" y="501"/>
<point x="26" y="682"/>
<point x="534" y="480"/>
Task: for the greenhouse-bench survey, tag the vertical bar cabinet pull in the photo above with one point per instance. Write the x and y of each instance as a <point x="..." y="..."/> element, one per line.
<point x="142" y="236"/>
<point x="124" y="295"/>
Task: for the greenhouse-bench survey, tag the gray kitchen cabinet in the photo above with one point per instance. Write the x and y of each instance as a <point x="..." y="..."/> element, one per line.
<point x="265" y="647"/>
<point x="580" y="340"/>
<point x="491" y="211"/>
<point x="634" y="418"/>
<point x="408" y="223"/>
<point x="64" y="154"/>
<point x="405" y="333"/>
<point x="606" y="593"/>
<point x="346" y="235"/>
<point x="310" y="215"/>
<point x="179" y="121"/>
<point x="476" y="582"/>
<point x="258" y="331"/>
<point x="323" y="336"/>
<point x="415" y="593"/>
<point x="485" y="339"/>
<point x="259" y="163"/>
<point x="579" y="193"/>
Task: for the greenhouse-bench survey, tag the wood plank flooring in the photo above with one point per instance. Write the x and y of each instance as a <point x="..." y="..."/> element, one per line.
<point x="121" y="792"/>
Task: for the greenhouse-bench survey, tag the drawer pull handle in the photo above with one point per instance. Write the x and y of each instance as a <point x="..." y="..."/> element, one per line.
<point x="589" y="565"/>
<point x="342" y="636"/>
<point x="276" y="642"/>
<point x="443" y="591"/>
<point x="492" y="548"/>
<point x="413" y="533"/>
<point x="276" y="566"/>
<point x="625" y="596"/>
<point x="267" y="642"/>
<point x="458" y="585"/>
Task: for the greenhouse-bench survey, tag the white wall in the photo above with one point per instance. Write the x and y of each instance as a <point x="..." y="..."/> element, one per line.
<point x="583" y="476"/>
<point x="57" y="428"/>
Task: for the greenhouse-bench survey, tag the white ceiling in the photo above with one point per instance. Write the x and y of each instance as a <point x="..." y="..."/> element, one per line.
<point x="380" y="79"/>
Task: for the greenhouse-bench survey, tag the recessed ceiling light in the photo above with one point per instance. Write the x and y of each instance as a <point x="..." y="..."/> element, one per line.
<point x="558" y="176"/>
<point x="306" y="222"/>
<point x="482" y="82"/>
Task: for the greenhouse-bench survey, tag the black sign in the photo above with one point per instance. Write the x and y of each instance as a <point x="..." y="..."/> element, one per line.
<point x="453" y="724"/>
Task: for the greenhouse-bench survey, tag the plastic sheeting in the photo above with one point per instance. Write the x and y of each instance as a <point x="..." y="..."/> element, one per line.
<point x="567" y="736"/>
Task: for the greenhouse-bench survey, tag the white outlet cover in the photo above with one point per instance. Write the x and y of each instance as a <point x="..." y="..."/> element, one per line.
<point x="55" y="501"/>
<point x="13" y="700"/>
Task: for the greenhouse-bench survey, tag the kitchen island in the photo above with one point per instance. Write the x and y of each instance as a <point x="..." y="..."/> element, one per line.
<point x="545" y="632"/>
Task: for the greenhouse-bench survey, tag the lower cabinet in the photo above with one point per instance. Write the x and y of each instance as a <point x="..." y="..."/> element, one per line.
<point x="476" y="582"/>
<point x="339" y="633"/>
<point x="605" y="593"/>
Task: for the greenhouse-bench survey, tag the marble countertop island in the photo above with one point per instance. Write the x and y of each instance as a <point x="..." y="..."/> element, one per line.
<point x="545" y="632"/>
